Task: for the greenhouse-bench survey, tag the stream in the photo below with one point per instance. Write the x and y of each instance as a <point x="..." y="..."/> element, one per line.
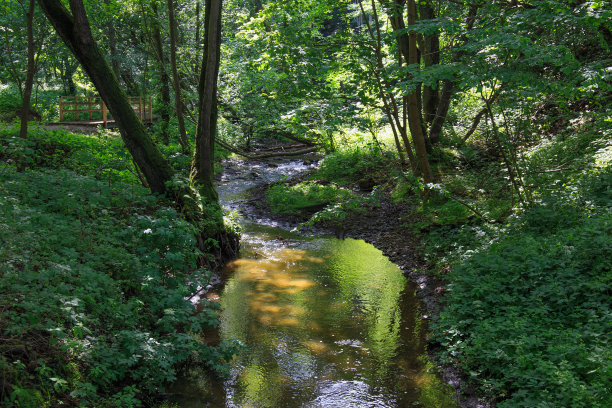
<point x="327" y="322"/>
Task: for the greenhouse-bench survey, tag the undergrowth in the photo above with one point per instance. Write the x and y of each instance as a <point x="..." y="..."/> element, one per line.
<point x="527" y="312"/>
<point x="345" y="182"/>
<point x="304" y="197"/>
<point x="528" y="317"/>
<point x="95" y="275"/>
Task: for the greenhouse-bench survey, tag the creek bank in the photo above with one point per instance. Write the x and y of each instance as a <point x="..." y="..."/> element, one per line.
<point x="386" y="228"/>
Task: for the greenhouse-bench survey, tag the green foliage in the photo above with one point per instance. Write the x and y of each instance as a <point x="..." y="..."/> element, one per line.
<point x="529" y="317"/>
<point x="95" y="276"/>
<point x="328" y="194"/>
<point x="351" y="165"/>
<point x="304" y="197"/>
<point x="10" y="103"/>
<point x="103" y="156"/>
<point x="336" y="212"/>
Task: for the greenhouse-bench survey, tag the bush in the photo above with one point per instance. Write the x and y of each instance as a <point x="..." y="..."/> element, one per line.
<point x="94" y="278"/>
<point x="529" y="317"/>
<point x="303" y="197"/>
<point x="103" y="156"/>
<point x="347" y="167"/>
<point x="10" y="103"/>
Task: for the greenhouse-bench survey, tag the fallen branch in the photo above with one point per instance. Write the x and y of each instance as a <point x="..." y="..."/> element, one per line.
<point x="261" y="156"/>
<point x="475" y="124"/>
<point x="479" y="116"/>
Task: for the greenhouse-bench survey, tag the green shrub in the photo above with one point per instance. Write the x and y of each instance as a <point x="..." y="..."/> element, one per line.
<point x="304" y="197"/>
<point x="351" y="166"/>
<point x="103" y="156"/>
<point x="94" y="280"/>
<point x="10" y="103"/>
<point x="529" y="318"/>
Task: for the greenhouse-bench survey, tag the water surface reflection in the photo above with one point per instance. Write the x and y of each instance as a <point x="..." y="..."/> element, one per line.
<point x="328" y="323"/>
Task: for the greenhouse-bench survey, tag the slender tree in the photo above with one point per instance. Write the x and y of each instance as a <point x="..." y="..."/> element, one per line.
<point x="207" y="123"/>
<point x="164" y="78"/>
<point x="112" y="42"/>
<point x="414" y="116"/>
<point x="431" y="57"/>
<point x="27" y="92"/>
<point x="176" y="80"/>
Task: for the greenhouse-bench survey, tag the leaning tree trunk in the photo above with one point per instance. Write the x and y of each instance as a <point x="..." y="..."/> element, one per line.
<point x="207" y="122"/>
<point x="27" y="92"/>
<point x="76" y="33"/>
<point x="74" y="29"/>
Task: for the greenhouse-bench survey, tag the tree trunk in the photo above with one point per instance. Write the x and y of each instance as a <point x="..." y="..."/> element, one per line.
<point x="431" y="57"/>
<point x="403" y="43"/>
<point x="448" y="88"/>
<point x="390" y="104"/>
<point x="75" y="31"/>
<point x="27" y="92"/>
<point x="112" y="46"/>
<point x="203" y="167"/>
<point x="175" y="78"/>
<point x="197" y="37"/>
<point x="414" y="117"/>
<point x="164" y="78"/>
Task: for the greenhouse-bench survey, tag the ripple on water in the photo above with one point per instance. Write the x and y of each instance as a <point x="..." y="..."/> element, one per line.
<point x="348" y="394"/>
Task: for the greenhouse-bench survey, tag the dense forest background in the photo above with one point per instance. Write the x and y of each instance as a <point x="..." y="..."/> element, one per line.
<point x="489" y="122"/>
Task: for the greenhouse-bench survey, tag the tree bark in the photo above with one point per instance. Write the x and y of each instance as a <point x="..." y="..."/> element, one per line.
<point x="414" y="117"/>
<point x="203" y="165"/>
<point x="197" y="37"/>
<point x="431" y="57"/>
<point x="164" y="78"/>
<point x="176" y="81"/>
<point x="112" y="46"/>
<point x="74" y="29"/>
<point x="27" y="92"/>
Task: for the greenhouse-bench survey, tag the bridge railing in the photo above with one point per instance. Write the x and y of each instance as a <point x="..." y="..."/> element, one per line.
<point x="93" y="110"/>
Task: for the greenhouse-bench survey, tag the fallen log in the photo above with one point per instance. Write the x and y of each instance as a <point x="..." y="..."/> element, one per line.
<point x="287" y="153"/>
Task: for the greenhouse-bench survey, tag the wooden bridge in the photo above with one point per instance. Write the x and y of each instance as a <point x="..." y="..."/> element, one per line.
<point x="92" y="111"/>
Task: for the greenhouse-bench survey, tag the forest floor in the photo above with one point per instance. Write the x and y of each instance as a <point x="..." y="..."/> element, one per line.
<point x="385" y="228"/>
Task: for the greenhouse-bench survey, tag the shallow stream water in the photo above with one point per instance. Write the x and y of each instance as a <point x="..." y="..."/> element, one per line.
<point x="327" y="322"/>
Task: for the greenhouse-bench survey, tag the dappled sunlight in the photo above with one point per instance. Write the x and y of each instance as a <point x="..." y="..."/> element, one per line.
<point x="326" y="311"/>
<point x="316" y="347"/>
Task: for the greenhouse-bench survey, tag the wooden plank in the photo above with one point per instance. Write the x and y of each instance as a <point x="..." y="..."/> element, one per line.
<point x="104" y="114"/>
<point x="76" y="108"/>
